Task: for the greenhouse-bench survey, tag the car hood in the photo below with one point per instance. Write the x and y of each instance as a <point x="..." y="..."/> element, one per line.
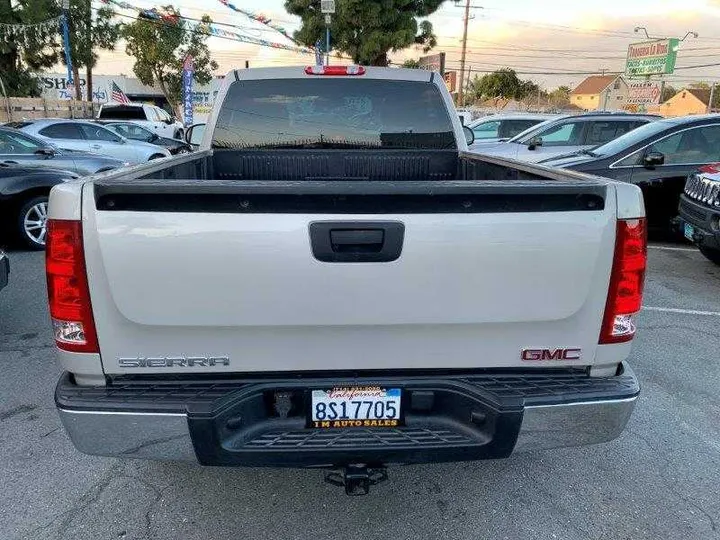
<point x="8" y="171"/>
<point x="506" y="149"/>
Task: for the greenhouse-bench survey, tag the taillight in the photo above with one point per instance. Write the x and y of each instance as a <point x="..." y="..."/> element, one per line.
<point x="68" y="291"/>
<point x="626" y="281"/>
<point x="335" y="70"/>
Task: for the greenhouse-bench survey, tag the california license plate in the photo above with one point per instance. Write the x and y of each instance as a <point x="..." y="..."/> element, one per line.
<point x="355" y="406"/>
<point x="689" y="231"/>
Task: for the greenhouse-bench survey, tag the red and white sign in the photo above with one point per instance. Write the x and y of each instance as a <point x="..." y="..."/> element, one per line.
<point x="643" y="93"/>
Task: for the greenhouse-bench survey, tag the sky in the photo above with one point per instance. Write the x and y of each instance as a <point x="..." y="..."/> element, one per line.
<point x="551" y="42"/>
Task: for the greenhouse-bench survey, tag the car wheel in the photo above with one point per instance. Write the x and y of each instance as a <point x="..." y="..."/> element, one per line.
<point x="711" y="254"/>
<point x="32" y="222"/>
<point x="156" y="156"/>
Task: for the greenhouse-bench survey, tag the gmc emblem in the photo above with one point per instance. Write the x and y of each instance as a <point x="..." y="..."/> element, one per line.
<point x="551" y="354"/>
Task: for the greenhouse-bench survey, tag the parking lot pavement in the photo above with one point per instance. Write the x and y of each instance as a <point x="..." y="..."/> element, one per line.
<point x="661" y="479"/>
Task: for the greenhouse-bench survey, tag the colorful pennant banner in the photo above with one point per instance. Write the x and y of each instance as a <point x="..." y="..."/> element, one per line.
<point x="261" y="19"/>
<point x="210" y="29"/>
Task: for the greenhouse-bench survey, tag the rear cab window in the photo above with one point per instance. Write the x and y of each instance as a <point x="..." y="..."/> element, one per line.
<point x="122" y="113"/>
<point x="333" y="113"/>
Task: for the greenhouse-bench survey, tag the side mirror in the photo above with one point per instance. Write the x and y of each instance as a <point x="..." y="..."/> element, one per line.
<point x="46" y="151"/>
<point x="194" y="134"/>
<point x="653" y="159"/>
<point x="469" y="135"/>
<point x="535" y="142"/>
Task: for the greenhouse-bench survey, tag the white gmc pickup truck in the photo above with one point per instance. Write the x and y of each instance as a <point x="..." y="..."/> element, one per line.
<point x="333" y="282"/>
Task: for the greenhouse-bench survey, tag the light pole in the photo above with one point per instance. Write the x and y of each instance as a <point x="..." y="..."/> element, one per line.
<point x="66" y="40"/>
<point x="327" y="7"/>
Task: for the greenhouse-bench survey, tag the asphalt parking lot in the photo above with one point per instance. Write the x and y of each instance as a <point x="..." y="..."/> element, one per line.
<point x="661" y="479"/>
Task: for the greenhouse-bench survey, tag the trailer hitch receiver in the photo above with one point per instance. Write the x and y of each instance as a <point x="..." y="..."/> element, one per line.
<point x="357" y="479"/>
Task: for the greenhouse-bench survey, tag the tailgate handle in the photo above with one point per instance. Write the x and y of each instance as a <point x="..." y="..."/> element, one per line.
<point x="356" y="241"/>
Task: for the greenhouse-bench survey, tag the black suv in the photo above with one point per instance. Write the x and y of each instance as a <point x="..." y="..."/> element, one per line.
<point x="700" y="211"/>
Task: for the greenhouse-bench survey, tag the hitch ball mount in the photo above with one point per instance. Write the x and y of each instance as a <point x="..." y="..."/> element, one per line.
<point x="357" y="478"/>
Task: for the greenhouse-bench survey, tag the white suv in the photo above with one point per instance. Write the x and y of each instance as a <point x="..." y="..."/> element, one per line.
<point x="154" y="118"/>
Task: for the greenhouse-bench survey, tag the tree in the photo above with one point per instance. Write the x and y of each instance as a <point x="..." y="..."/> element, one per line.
<point x="502" y="83"/>
<point x="159" y="48"/>
<point x="87" y="34"/>
<point x="19" y="58"/>
<point x="667" y="93"/>
<point x="560" y="96"/>
<point x="412" y="64"/>
<point x="367" y="29"/>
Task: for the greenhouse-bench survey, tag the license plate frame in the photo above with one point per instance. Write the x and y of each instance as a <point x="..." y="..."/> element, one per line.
<point x="350" y="395"/>
<point x="688" y="231"/>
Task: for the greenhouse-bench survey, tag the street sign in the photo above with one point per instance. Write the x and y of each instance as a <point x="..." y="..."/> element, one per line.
<point x="434" y="62"/>
<point x="643" y="93"/>
<point x="651" y="57"/>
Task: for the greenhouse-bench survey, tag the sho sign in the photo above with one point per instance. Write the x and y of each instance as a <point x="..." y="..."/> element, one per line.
<point x="643" y="93"/>
<point x="651" y="57"/>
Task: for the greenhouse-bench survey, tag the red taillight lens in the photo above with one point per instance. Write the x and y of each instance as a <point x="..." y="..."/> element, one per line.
<point x="68" y="291"/>
<point x="626" y="281"/>
<point x="335" y="70"/>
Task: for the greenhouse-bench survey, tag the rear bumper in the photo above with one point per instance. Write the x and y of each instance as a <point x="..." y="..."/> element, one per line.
<point x="449" y="418"/>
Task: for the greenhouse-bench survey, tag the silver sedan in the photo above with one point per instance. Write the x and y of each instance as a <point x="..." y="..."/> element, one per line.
<point x="20" y="148"/>
<point x="90" y="137"/>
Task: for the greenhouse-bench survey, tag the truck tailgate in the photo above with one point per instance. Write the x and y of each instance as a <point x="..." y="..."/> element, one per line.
<point x="184" y="277"/>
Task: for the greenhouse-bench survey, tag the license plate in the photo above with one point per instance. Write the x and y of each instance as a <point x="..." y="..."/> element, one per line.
<point x="367" y="406"/>
<point x="689" y="232"/>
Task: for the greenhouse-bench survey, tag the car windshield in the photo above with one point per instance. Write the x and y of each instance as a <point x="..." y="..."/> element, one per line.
<point x="524" y="136"/>
<point x="631" y="138"/>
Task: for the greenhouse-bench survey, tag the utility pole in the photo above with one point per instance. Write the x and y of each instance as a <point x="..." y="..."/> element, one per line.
<point x="712" y="96"/>
<point x="466" y="19"/>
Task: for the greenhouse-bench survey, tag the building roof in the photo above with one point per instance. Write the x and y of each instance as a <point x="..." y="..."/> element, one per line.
<point x="700" y="93"/>
<point x="594" y="84"/>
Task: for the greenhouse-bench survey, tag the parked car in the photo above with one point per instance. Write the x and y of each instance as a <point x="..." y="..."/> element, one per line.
<point x="4" y="269"/>
<point x="21" y="148"/>
<point x="501" y="127"/>
<point x="91" y="137"/>
<point x="438" y="320"/>
<point x="699" y="211"/>
<point x="657" y="157"/>
<point x="154" y="118"/>
<point x="564" y="134"/>
<point x="136" y="132"/>
<point x="24" y="200"/>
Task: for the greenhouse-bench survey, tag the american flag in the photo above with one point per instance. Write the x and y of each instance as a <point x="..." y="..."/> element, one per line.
<point x="119" y="95"/>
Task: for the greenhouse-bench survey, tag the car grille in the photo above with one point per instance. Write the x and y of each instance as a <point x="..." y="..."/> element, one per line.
<point x="703" y="189"/>
<point x="692" y="211"/>
<point x="355" y="437"/>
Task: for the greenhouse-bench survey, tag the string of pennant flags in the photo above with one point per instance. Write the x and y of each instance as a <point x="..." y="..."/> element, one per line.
<point x="210" y="29"/>
<point x="262" y="19"/>
<point x="26" y="33"/>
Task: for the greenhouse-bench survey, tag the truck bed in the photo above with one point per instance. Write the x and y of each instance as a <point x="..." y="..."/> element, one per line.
<point x="349" y="165"/>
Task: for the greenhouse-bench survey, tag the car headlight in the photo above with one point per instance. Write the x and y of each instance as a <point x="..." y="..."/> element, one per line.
<point x="127" y="163"/>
